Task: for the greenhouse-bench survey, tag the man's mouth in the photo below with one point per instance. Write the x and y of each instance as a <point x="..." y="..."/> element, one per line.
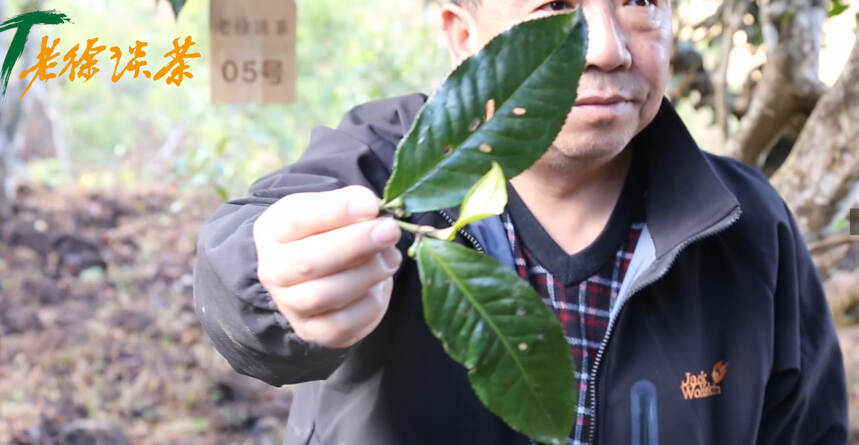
<point x="603" y="108"/>
<point x="601" y="100"/>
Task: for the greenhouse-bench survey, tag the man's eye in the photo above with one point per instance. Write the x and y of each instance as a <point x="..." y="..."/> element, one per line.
<point x="643" y="2"/>
<point x="557" y="6"/>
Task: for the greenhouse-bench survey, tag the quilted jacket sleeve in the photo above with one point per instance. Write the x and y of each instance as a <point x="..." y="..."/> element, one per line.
<point x="236" y="311"/>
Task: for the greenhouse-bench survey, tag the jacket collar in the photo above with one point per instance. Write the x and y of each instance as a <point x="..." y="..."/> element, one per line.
<point x="685" y="197"/>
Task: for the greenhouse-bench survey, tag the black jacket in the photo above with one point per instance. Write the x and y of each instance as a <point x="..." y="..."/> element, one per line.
<point x="721" y="333"/>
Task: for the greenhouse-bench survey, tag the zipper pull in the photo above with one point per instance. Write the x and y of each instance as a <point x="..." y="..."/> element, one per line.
<point x="644" y="413"/>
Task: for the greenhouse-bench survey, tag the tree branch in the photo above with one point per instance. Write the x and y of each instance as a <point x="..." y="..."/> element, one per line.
<point x="824" y="163"/>
<point x="834" y="241"/>
<point x="732" y="17"/>
<point x="793" y="31"/>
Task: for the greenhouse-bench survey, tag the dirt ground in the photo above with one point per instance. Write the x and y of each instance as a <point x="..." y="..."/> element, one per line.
<point x="115" y="355"/>
<point x="99" y="343"/>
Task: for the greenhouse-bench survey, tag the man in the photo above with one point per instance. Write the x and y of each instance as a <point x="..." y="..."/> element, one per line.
<point x="693" y="311"/>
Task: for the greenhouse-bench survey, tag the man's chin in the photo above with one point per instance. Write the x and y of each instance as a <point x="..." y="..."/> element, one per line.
<point x="599" y="146"/>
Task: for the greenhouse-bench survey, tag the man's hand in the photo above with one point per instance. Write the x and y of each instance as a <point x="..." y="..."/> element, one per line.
<point x="328" y="260"/>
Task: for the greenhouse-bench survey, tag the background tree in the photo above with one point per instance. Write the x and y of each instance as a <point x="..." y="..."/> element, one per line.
<point x="784" y="120"/>
<point x="30" y="128"/>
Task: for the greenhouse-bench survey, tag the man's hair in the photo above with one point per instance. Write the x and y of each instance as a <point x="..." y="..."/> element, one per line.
<point x="470" y="5"/>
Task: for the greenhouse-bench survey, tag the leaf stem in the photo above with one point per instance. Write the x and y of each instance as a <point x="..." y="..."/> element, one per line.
<point x="413" y="249"/>
<point x="416" y="229"/>
<point x="394" y="208"/>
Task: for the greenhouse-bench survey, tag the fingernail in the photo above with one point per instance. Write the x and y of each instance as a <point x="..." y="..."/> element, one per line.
<point x="392" y="257"/>
<point x="364" y="208"/>
<point x="385" y="233"/>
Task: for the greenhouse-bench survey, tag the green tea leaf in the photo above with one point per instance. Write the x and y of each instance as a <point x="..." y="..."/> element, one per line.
<point x="487" y="197"/>
<point x="507" y="104"/>
<point x="496" y="325"/>
<point x="177" y="6"/>
<point x="837" y="8"/>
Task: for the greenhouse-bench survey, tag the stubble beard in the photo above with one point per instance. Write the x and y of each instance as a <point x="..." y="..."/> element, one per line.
<point x="569" y="152"/>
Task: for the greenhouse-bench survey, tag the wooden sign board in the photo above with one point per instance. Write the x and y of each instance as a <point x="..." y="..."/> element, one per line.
<point x="252" y="51"/>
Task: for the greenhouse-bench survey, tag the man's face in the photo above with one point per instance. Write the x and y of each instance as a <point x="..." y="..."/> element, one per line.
<point x="626" y="66"/>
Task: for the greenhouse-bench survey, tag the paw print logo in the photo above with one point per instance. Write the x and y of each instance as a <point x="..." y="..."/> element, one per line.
<point x="719" y="370"/>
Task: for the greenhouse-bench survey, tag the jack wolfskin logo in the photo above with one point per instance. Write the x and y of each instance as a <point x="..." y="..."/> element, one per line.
<point x="699" y="387"/>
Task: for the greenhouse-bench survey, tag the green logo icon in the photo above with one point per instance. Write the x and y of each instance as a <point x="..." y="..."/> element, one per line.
<point x="22" y="24"/>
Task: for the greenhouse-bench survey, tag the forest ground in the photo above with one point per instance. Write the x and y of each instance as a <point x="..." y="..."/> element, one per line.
<point x="93" y="354"/>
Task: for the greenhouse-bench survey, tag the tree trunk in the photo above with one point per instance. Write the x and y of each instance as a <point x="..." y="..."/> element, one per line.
<point x="793" y="31"/>
<point x="5" y="133"/>
<point x="823" y="166"/>
<point x="732" y="17"/>
<point x="14" y="111"/>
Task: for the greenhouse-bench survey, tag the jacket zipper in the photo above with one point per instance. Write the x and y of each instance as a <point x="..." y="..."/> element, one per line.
<point x="735" y="215"/>
<point x="462" y="232"/>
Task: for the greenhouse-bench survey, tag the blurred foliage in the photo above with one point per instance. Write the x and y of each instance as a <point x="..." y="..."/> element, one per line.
<point x="177" y="6"/>
<point x="837" y="7"/>
<point x="348" y="53"/>
<point x="116" y="132"/>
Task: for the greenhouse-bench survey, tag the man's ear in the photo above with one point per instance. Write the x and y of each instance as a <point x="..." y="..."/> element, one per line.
<point x="460" y="27"/>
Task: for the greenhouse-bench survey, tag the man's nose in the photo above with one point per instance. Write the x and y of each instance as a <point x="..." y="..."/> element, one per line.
<point x="607" y="48"/>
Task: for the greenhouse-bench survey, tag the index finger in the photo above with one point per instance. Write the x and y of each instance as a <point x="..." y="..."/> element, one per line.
<point x="300" y="215"/>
